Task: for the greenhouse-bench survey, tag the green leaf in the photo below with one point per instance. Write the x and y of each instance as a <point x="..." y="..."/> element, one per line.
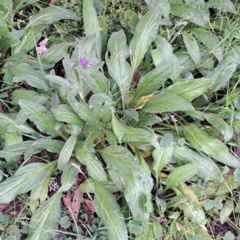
<point x="189" y="13"/>
<point x="32" y="81"/>
<point x="190" y="89"/>
<point x="94" y="166"/>
<point x="7" y="40"/>
<point x="41" y="117"/>
<point x="237" y="175"/>
<point x="66" y="152"/>
<point x="45" y="219"/>
<point x="15" y="150"/>
<point x="229" y="236"/>
<point x="64" y="113"/>
<point x="22" y="94"/>
<point x="50" y="15"/>
<point x="210" y="145"/>
<point x="161" y="158"/>
<point x="165" y="54"/>
<point x="80" y="108"/>
<point x="144" y="34"/>
<point x="194" y="213"/>
<point x="110" y="213"/>
<point x="59" y="80"/>
<point x="98" y="83"/>
<point x="68" y="177"/>
<point x="200" y="140"/>
<point x="221" y="125"/>
<point x="39" y="193"/>
<point x="148" y="120"/>
<point x="224" y="71"/>
<point x="25" y="179"/>
<point x="12" y="138"/>
<point x="153" y="80"/>
<point x="210" y="40"/>
<point x="27" y="42"/>
<point x="192" y="48"/>
<point x="118" y="128"/>
<point x="118" y="68"/>
<point x="166" y="102"/>
<point x="54" y="54"/>
<point x="130" y="177"/>
<point x="181" y="174"/>
<point x="208" y="170"/>
<point x="226" y="211"/>
<point x="222" y="5"/>
<point x="91" y="24"/>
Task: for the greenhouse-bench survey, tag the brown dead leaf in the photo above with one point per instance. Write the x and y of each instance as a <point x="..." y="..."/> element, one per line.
<point x="73" y="205"/>
<point x="143" y="100"/>
<point x="90" y="205"/>
<point x="78" y="195"/>
<point x="1" y="110"/>
<point x="67" y="200"/>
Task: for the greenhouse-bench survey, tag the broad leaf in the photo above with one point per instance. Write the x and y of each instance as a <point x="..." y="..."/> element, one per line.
<point x="192" y="48"/>
<point x="153" y="80"/>
<point x="94" y="166"/>
<point x="225" y="129"/>
<point x="190" y="89"/>
<point x="41" y="117"/>
<point x="118" y="68"/>
<point x="161" y="158"/>
<point x="98" y="83"/>
<point x="68" y="177"/>
<point x="212" y="146"/>
<point x="64" y="113"/>
<point x="223" y="5"/>
<point x="110" y="213"/>
<point x="208" y="170"/>
<point x="118" y="128"/>
<point x="25" y="179"/>
<point x="191" y="14"/>
<point x="194" y="213"/>
<point x="91" y="24"/>
<point x="50" y="15"/>
<point x="144" y="34"/>
<point x="166" y="102"/>
<point x="7" y="40"/>
<point x="181" y="174"/>
<point x="210" y="40"/>
<point x="130" y="177"/>
<point x="45" y="219"/>
<point x="39" y="193"/>
<point x="27" y="42"/>
<point x="66" y="152"/>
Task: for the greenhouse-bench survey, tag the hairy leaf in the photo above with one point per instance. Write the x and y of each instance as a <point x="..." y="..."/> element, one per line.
<point x="45" y="219"/>
<point x="25" y="179"/>
<point x="109" y="211"/>
<point x="181" y="174"/>
<point x="130" y="177"/>
<point x="190" y="89"/>
<point x="166" y="102"/>
<point x="66" y="152"/>
<point x="50" y="15"/>
<point x="144" y="34"/>
<point x="41" y="117"/>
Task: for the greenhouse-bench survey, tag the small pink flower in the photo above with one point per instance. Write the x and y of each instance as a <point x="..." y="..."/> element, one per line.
<point x="42" y="48"/>
<point x="84" y="63"/>
<point x="52" y="2"/>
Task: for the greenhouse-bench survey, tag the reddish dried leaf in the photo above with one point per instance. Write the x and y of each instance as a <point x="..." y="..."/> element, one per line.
<point x="67" y="200"/>
<point x="90" y="205"/>
<point x="77" y="199"/>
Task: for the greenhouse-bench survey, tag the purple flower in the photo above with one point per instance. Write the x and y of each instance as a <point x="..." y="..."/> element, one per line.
<point x="82" y="62"/>
<point x="57" y="239"/>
